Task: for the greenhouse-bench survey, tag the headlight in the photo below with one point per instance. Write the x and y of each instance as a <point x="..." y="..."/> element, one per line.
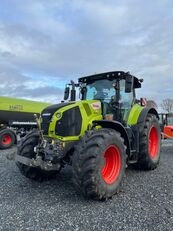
<point x="58" y="115"/>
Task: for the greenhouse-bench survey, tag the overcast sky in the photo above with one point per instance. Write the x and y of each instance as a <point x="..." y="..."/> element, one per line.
<point x="44" y="44"/>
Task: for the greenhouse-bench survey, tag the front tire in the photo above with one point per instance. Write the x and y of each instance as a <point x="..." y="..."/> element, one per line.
<point x="26" y="149"/>
<point x="149" y="145"/>
<point x="99" y="163"/>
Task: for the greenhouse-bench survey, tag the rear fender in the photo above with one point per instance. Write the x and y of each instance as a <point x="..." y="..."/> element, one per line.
<point x="117" y="127"/>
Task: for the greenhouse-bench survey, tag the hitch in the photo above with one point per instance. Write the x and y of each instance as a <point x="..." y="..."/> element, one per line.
<point x="37" y="162"/>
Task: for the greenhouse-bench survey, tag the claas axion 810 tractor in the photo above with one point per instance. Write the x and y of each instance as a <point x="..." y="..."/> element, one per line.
<point x="99" y="135"/>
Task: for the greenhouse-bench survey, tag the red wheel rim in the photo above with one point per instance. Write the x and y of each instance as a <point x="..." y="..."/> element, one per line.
<point x="111" y="170"/>
<point x="153" y="142"/>
<point x="6" y="139"/>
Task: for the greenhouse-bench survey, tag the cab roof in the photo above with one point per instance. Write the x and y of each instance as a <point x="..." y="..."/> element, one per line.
<point x="111" y="76"/>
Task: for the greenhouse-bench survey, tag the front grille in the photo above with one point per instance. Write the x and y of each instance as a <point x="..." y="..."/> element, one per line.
<point x="70" y="124"/>
<point x="47" y="114"/>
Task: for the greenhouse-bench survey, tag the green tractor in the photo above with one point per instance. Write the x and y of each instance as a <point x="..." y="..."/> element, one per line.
<point x="98" y="135"/>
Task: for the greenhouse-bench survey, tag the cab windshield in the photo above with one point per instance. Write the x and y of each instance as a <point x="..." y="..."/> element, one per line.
<point x="102" y="90"/>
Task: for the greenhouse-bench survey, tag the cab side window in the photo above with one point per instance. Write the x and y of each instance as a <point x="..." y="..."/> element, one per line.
<point x="126" y="101"/>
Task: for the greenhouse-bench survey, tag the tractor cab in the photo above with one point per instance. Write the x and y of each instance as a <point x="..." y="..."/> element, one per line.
<point x="115" y="90"/>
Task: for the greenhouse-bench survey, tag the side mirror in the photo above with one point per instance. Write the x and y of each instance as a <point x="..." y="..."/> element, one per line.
<point x="66" y="93"/>
<point x="128" y="84"/>
<point x="83" y="92"/>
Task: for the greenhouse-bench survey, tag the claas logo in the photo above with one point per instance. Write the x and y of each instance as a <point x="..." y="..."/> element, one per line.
<point x="16" y="107"/>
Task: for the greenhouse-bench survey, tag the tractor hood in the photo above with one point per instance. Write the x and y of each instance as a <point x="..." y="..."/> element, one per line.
<point x="53" y="108"/>
<point x="70" y="120"/>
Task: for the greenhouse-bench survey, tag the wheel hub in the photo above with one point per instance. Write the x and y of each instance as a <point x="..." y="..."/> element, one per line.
<point x="153" y="142"/>
<point x="6" y="139"/>
<point x="111" y="170"/>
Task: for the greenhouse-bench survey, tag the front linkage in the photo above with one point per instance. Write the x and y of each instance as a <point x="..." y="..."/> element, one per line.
<point x="48" y="153"/>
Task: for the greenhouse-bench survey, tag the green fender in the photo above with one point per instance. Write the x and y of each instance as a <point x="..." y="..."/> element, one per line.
<point x="138" y="115"/>
<point x="134" y="114"/>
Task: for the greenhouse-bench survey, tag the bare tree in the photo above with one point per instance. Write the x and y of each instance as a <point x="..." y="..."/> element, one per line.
<point x="167" y="105"/>
<point x="152" y="103"/>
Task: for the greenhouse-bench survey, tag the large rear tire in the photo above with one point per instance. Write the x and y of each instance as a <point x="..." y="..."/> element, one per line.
<point x="98" y="163"/>
<point x="7" y="138"/>
<point x="26" y="149"/>
<point x="149" y="144"/>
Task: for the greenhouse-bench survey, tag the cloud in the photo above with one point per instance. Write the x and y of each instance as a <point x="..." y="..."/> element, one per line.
<point x="14" y="84"/>
<point x="55" y="41"/>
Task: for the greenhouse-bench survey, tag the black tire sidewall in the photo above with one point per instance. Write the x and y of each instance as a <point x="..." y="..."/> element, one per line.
<point x="145" y="160"/>
<point x="34" y="138"/>
<point x="153" y="123"/>
<point x="23" y="145"/>
<point x="116" y="141"/>
<point x="88" y="162"/>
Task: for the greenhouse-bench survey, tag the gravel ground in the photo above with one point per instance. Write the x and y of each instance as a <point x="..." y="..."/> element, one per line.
<point x="144" y="203"/>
